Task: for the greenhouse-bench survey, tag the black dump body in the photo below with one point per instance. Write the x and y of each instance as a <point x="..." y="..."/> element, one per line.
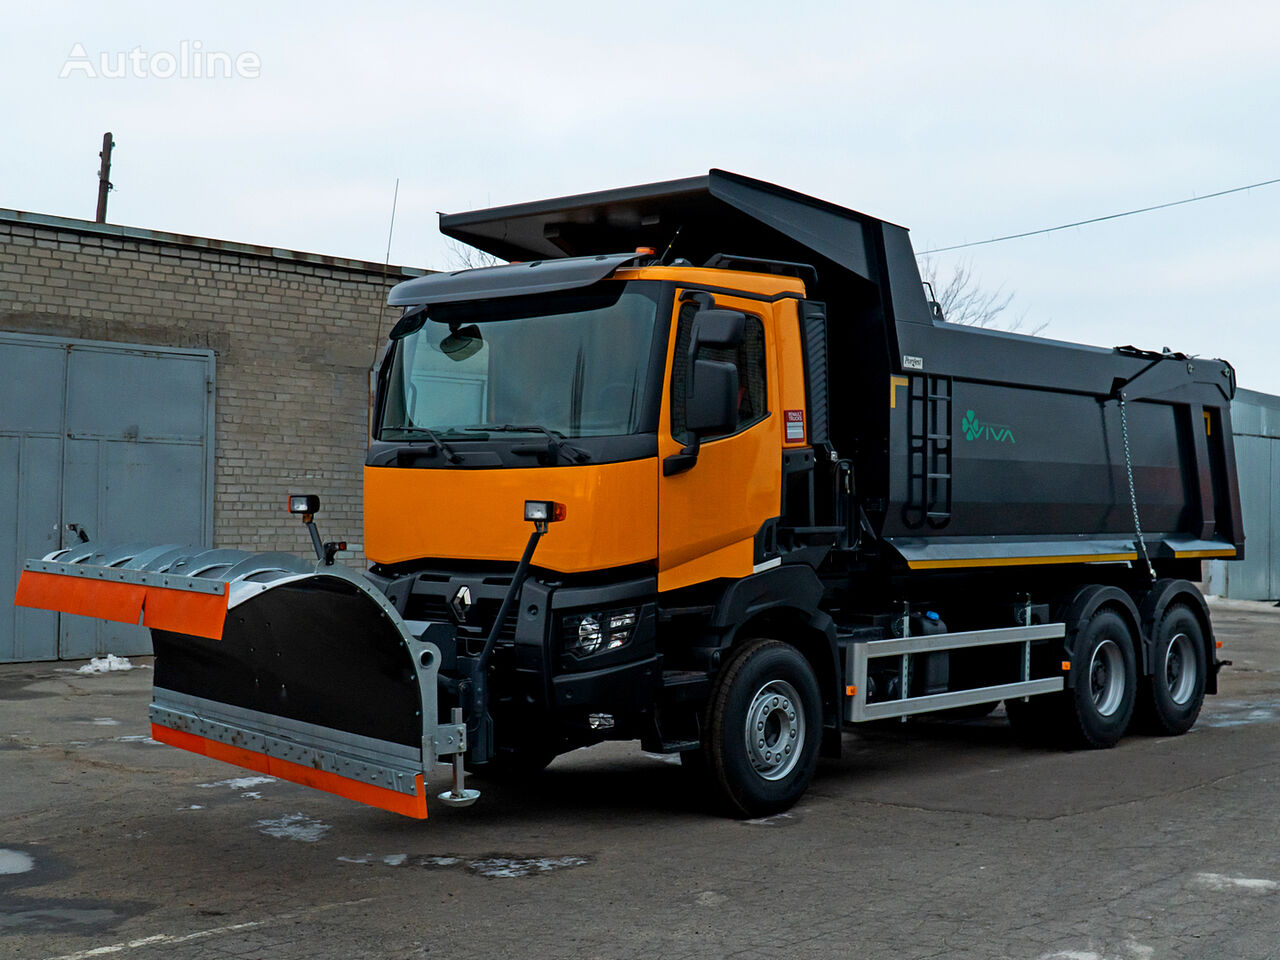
<point x="969" y="447"/>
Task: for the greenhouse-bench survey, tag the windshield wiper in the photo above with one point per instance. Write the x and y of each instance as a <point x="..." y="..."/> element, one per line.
<point x="448" y="451"/>
<point x="555" y="441"/>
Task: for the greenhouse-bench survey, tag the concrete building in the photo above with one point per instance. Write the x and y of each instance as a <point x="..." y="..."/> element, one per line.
<point x="158" y="387"/>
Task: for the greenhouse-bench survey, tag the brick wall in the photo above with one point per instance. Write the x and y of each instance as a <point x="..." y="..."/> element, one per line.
<point x="294" y="337"/>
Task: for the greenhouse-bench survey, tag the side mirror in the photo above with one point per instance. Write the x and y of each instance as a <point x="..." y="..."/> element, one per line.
<point x="717" y="328"/>
<point x="712" y="406"/>
<point x="711" y="400"/>
<point x="462" y="343"/>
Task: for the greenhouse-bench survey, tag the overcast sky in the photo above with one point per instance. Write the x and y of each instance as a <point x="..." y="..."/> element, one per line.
<point x="961" y="121"/>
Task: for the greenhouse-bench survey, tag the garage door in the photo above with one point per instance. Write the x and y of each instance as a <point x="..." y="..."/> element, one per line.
<point x="114" y="440"/>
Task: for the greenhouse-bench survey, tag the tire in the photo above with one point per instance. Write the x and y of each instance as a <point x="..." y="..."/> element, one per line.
<point x="1095" y="713"/>
<point x="763" y="729"/>
<point x="1169" y="700"/>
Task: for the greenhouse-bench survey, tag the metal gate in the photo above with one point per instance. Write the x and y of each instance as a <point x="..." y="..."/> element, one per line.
<point x="116" y="440"/>
<point x="1255" y="422"/>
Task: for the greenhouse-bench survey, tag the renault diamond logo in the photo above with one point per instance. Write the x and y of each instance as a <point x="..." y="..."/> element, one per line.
<point x="461" y="603"/>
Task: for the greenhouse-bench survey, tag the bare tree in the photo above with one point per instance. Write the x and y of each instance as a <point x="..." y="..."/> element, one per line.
<point x="463" y="256"/>
<point x="963" y="300"/>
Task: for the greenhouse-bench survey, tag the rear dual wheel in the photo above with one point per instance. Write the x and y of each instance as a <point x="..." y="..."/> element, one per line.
<point x="1170" y="699"/>
<point x="1096" y="711"/>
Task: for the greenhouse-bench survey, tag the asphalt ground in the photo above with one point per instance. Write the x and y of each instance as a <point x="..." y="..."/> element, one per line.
<point x="927" y="840"/>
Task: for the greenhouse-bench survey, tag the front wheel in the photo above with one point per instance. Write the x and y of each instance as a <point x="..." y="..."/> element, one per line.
<point x="764" y="728"/>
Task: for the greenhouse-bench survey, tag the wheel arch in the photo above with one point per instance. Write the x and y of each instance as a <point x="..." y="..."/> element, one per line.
<point x="1079" y="608"/>
<point x="782" y="604"/>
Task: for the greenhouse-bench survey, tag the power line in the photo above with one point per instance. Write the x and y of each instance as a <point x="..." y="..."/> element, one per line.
<point x="1112" y="216"/>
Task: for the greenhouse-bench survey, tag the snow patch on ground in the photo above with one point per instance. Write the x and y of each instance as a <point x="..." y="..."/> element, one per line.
<point x="294" y="826"/>
<point x="1132" y="950"/>
<point x="663" y="757"/>
<point x="137" y="738"/>
<point x="522" y="866"/>
<point x="238" y="783"/>
<point x="769" y="821"/>
<point x="106" y="664"/>
<point x="194" y="806"/>
<point x="104" y="722"/>
<point x="15" y="861"/>
<point x="492" y="866"/>
<point x="1220" y="881"/>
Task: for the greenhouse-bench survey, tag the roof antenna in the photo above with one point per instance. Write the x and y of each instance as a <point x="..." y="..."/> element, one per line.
<point x="382" y="303"/>
<point x="386" y="266"/>
<point x="662" y="260"/>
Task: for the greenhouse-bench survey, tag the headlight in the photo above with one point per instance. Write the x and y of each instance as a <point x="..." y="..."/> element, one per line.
<point x="598" y="631"/>
<point x="589" y="635"/>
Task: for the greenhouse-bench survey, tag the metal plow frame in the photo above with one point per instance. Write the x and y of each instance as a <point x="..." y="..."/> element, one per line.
<point x="192" y="592"/>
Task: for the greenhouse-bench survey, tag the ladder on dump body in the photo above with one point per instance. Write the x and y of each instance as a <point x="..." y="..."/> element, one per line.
<point x="929" y="451"/>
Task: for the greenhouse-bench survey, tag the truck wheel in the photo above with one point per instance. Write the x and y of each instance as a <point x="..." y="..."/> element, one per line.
<point x="1170" y="699"/>
<point x="1097" y="711"/>
<point x="764" y="727"/>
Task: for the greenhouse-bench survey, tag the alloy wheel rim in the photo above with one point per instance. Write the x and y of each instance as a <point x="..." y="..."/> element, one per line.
<point x="775" y="730"/>
<point x="1106" y="677"/>
<point x="1180" y="669"/>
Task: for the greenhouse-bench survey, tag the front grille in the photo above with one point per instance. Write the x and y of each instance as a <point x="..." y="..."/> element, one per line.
<point x="426" y="606"/>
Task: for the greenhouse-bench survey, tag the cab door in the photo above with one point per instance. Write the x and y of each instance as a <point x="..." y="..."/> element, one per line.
<point x="709" y="514"/>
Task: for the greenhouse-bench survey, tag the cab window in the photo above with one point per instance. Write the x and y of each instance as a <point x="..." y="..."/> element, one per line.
<point x="749" y="358"/>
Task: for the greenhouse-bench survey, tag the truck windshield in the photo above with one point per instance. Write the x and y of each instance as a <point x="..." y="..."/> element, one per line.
<point x="572" y="363"/>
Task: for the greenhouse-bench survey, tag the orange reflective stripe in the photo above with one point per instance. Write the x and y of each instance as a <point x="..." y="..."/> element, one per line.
<point x="180" y="611"/>
<point x="106" y="599"/>
<point x="402" y="803"/>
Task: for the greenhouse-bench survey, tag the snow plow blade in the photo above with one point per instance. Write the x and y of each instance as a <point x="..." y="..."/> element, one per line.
<point x="298" y="670"/>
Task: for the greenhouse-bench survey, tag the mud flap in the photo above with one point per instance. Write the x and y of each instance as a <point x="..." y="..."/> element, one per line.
<point x="303" y="672"/>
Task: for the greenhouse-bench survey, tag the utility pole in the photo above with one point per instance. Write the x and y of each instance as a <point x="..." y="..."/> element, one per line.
<point x="104" y="177"/>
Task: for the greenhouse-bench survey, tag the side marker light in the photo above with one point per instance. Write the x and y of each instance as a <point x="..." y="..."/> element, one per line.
<point x="851" y="690"/>
<point x="1066" y="664"/>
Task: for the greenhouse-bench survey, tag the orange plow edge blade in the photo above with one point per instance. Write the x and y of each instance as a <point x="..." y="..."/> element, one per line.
<point x="402" y="803"/>
<point x="158" y="607"/>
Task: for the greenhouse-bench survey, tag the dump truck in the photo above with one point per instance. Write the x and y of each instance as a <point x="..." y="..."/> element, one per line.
<point x="702" y="465"/>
